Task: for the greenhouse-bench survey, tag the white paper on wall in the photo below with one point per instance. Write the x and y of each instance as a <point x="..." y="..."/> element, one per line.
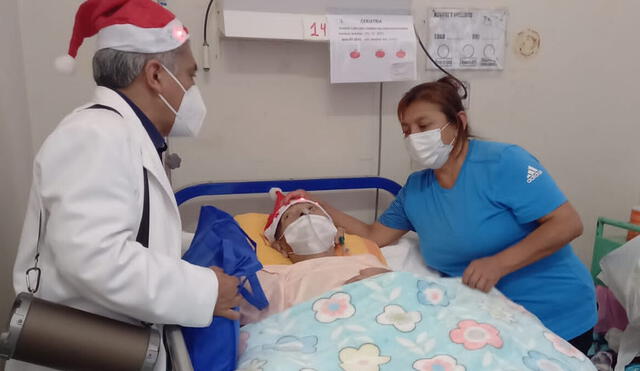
<point x="467" y="39"/>
<point x="372" y="48"/>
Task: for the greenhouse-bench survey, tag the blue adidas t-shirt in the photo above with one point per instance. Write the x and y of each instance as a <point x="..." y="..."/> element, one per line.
<point x="499" y="195"/>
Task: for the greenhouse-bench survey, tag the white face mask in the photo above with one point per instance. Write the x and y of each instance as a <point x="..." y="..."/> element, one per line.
<point x="190" y="114"/>
<point x="427" y="149"/>
<point x="311" y="234"/>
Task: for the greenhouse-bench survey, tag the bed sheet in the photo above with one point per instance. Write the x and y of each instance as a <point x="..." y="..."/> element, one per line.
<point x="404" y="321"/>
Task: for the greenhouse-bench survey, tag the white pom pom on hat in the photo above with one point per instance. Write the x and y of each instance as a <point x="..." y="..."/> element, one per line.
<point x="65" y="64"/>
<point x="273" y="193"/>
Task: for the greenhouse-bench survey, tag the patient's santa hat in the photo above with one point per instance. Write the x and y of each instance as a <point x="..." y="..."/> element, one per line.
<point x="278" y="210"/>
<point x="141" y="26"/>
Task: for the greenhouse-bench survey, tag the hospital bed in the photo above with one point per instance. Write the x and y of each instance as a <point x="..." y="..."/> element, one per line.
<point x="603" y="244"/>
<point x="404" y="257"/>
<point x="325" y="184"/>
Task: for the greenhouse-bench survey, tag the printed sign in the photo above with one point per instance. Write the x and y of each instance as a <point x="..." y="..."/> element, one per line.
<point x="372" y="48"/>
<point x="467" y="39"/>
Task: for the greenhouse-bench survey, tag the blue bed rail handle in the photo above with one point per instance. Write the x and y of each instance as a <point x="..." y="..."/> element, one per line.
<point x="325" y="184"/>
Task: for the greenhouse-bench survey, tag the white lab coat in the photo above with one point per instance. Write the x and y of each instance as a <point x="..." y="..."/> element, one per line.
<point x="88" y="182"/>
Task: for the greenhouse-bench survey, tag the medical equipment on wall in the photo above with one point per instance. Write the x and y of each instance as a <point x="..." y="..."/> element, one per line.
<point x="294" y="19"/>
<point x="302" y="20"/>
<point x="205" y="44"/>
<point x="56" y="336"/>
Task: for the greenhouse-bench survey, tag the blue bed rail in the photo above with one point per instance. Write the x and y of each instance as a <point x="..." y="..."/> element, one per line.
<point x="326" y="184"/>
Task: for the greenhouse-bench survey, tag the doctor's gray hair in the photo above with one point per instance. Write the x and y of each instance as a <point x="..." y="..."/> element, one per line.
<point x="116" y="69"/>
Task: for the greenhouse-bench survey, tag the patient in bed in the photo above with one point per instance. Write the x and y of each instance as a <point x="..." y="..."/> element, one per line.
<point x="304" y="232"/>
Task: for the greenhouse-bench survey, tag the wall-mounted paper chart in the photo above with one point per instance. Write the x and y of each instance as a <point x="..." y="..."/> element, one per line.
<point x="467" y="39"/>
<point x="372" y="48"/>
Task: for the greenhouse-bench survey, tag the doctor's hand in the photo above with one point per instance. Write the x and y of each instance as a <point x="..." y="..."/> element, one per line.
<point x="483" y="274"/>
<point x="228" y="296"/>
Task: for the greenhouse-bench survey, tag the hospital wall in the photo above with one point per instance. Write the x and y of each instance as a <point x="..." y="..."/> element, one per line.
<point x="274" y="114"/>
<point x="15" y="149"/>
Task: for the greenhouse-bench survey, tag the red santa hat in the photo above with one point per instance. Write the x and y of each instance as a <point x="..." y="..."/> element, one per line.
<point x="142" y="26"/>
<point x="279" y="209"/>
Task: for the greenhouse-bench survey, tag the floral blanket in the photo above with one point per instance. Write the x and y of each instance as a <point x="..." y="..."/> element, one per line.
<point x="399" y="321"/>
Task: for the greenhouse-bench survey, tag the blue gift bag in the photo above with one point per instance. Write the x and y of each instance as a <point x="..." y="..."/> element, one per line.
<point x="219" y="241"/>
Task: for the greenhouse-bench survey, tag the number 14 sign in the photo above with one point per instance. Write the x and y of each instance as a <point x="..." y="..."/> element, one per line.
<point x="315" y="27"/>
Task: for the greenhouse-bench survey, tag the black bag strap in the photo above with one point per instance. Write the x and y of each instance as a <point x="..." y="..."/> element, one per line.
<point x="143" y="239"/>
<point x="102" y="106"/>
<point x="143" y="230"/>
<point x="33" y="273"/>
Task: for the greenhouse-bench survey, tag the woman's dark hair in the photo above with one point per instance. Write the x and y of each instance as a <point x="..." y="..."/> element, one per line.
<point x="443" y="93"/>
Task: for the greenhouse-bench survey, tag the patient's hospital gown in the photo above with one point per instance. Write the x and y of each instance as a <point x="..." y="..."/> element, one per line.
<point x="287" y="285"/>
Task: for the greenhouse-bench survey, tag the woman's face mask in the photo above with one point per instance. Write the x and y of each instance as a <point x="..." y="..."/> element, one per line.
<point x="190" y="114"/>
<point x="427" y="149"/>
<point x="311" y="234"/>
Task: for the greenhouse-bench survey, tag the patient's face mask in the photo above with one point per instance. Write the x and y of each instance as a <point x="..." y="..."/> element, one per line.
<point x="311" y="234"/>
<point x="427" y="150"/>
<point x="190" y="115"/>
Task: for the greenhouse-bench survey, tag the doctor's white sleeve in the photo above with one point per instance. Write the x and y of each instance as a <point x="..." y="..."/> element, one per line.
<point x="88" y="181"/>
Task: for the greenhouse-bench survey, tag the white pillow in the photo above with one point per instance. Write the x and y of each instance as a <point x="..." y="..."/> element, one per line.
<point x="405" y="256"/>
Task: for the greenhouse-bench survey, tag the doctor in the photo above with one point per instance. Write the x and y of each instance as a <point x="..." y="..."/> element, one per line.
<point x="96" y="250"/>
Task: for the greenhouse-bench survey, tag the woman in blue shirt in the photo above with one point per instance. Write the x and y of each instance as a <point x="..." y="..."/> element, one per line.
<point x="487" y="212"/>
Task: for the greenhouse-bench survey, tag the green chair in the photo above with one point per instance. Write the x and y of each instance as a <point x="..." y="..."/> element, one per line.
<point x="603" y="245"/>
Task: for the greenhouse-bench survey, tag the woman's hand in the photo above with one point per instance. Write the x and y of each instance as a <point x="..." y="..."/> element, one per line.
<point x="366" y="273"/>
<point x="556" y="229"/>
<point x="483" y="274"/>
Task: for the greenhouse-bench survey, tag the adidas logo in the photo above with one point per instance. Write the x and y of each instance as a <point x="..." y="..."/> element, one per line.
<point x="533" y="174"/>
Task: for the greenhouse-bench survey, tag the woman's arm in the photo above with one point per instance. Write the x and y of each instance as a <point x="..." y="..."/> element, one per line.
<point x="376" y="232"/>
<point x="556" y="230"/>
